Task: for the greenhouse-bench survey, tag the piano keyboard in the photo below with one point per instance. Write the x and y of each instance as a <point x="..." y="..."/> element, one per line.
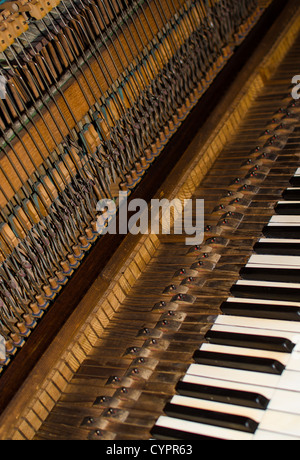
<point x="245" y="382"/>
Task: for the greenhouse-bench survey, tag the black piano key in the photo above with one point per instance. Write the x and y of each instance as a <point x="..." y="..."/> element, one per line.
<point x="282" y="231"/>
<point x="222" y="395"/>
<point x="259" y="342"/>
<point x="282" y="275"/>
<point x="266" y="292"/>
<point x="245" y="363"/>
<point x="295" y="181"/>
<point x="168" y="434"/>
<point x="292" y="194"/>
<point x="253" y="310"/>
<point x="230" y="421"/>
<point x="288" y="209"/>
<point x="285" y="249"/>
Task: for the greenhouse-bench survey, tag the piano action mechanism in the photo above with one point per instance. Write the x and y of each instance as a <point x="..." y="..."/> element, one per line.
<point x="119" y="336"/>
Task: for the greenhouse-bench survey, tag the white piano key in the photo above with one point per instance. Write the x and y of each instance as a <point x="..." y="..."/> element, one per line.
<point x="278" y="241"/>
<point x="203" y="429"/>
<point x="278" y="261"/>
<point x="288" y="202"/>
<point x="235" y="375"/>
<point x="255" y="414"/>
<point x="280" y="400"/>
<point x="263" y="301"/>
<point x="259" y="323"/>
<point x="289" y="380"/>
<point x="271" y="284"/>
<point x="285" y="401"/>
<point x="262" y="435"/>
<point x="291" y="361"/>
<point x="279" y="219"/>
<point x="280" y="422"/>
<point x="297" y="173"/>
<point x="273" y="266"/>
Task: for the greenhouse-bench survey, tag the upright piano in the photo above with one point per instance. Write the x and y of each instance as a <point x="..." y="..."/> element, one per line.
<point x="140" y="336"/>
